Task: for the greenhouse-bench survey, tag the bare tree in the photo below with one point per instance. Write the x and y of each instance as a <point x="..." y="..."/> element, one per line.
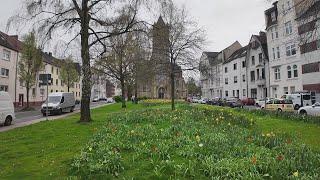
<point x="69" y="73"/>
<point x="91" y="21"/>
<point x="184" y="42"/>
<point x="118" y="64"/>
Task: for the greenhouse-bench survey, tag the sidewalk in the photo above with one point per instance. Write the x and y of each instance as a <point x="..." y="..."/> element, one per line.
<point x="50" y="118"/>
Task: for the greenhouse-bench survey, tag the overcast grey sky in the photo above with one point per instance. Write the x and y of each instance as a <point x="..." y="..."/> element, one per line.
<point x="225" y="21"/>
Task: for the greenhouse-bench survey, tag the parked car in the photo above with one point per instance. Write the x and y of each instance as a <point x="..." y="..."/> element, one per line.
<point x="299" y="99"/>
<point x="7" y="115"/>
<point x="203" y="100"/>
<point x="248" y="102"/>
<point x="280" y="105"/>
<point x="189" y="99"/>
<point x="233" y="102"/>
<point x="110" y="100"/>
<point x="103" y="99"/>
<point x="195" y="99"/>
<point x="57" y="103"/>
<point x="313" y="110"/>
<point x="261" y="102"/>
<point x="95" y="100"/>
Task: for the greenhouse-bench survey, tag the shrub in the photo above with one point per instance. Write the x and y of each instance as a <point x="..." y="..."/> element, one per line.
<point x="118" y="99"/>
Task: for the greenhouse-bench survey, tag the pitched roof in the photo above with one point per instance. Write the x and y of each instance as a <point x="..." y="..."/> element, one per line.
<point x="5" y="41"/>
<point x="262" y="37"/>
<point x="242" y="52"/>
<point x="211" y="56"/>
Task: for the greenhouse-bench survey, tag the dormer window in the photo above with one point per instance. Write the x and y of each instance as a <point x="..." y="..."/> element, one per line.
<point x="273" y="16"/>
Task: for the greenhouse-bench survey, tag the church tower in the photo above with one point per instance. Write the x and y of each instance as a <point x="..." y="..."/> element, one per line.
<point x="160" y="44"/>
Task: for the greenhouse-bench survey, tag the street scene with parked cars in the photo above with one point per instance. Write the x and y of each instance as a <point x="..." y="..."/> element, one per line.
<point x="300" y="103"/>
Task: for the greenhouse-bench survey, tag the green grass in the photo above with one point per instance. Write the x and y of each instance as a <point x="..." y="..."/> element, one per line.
<point x="45" y="150"/>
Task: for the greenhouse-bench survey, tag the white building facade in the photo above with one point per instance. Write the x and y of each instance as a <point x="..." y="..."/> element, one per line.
<point x="283" y="46"/>
<point x="258" y="80"/>
<point x="234" y="75"/>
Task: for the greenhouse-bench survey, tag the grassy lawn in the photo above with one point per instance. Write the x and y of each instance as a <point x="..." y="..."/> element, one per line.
<point x="47" y="149"/>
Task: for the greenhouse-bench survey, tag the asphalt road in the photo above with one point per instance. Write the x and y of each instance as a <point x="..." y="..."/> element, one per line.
<point x="33" y="115"/>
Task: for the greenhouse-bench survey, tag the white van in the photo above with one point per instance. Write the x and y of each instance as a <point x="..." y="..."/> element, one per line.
<point x="299" y="99"/>
<point x="6" y="109"/>
<point x="58" y="103"/>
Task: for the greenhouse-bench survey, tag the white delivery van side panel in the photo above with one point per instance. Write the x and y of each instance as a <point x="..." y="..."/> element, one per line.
<point x="6" y="107"/>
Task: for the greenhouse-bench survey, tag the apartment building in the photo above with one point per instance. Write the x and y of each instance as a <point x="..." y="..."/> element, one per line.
<point x="234" y="74"/>
<point x="309" y="31"/>
<point x="11" y="48"/>
<point x="283" y="46"/>
<point x="257" y="63"/>
<point x="8" y="64"/>
<point x="211" y="71"/>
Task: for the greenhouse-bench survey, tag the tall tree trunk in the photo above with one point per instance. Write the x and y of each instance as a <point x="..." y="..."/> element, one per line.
<point x="172" y="88"/>
<point x="28" y="90"/>
<point x="123" y="94"/>
<point x="86" y="70"/>
<point x="136" y="93"/>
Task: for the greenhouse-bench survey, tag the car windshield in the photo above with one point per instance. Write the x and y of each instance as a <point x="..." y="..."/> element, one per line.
<point x="306" y="97"/>
<point x="54" y="99"/>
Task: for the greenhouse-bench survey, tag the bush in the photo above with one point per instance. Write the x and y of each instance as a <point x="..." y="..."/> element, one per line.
<point x="118" y="99"/>
<point x="192" y="143"/>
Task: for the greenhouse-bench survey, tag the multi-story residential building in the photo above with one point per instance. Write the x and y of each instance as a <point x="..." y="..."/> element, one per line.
<point x="283" y="46"/>
<point x="257" y="63"/>
<point x="8" y="64"/>
<point x="234" y="74"/>
<point x="11" y="82"/>
<point x="211" y="71"/>
<point x="99" y="87"/>
<point x="308" y="14"/>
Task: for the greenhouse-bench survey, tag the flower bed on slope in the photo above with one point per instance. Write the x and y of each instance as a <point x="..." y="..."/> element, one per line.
<point x="192" y="143"/>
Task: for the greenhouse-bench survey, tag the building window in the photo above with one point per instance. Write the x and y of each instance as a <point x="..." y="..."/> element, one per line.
<point x="233" y="93"/>
<point x="4" y="72"/>
<point x="289" y="72"/>
<point x="295" y="71"/>
<point x="273" y="16"/>
<point x="243" y="64"/>
<point x="227" y="93"/>
<point x="226" y="69"/>
<point x="277" y="33"/>
<point x="52" y="90"/>
<point x="226" y="81"/>
<point x="57" y="71"/>
<point x="263" y="73"/>
<point x="57" y="82"/>
<point x="318" y="44"/>
<point x="292" y="89"/>
<point x="254" y="93"/>
<point x="6" y="55"/>
<point x="277" y="73"/>
<point x="235" y="79"/>
<point x="243" y="78"/>
<point x="286" y="90"/>
<point x="311" y="68"/>
<point x="235" y="66"/>
<point x="253" y="62"/>
<point x="52" y="70"/>
<point x="288" y="26"/>
<point x="260" y="58"/>
<point x="272" y="35"/>
<point x="34" y="92"/>
<point x="244" y="92"/>
<point x="253" y="76"/>
<point x="20" y="82"/>
<point x="42" y="92"/>
<point x="274" y="53"/>
<point x="291" y="50"/>
<point x="57" y="91"/>
<point x="278" y="52"/>
<point x="4" y="88"/>
<point x="258" y="74"/>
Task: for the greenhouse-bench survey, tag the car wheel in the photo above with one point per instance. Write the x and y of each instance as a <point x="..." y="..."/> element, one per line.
<point x="303" y="112"/>
<point x="44" y="114"/>
<point x="71" y="109"/>
<point x="279" y="110"/>
<point x="296" y="107"/>
<point x="8" y="121"/>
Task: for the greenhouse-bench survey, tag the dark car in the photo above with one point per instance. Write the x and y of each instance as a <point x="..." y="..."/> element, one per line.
<point x="248" y="102"/>
<point x="233" y="103"/>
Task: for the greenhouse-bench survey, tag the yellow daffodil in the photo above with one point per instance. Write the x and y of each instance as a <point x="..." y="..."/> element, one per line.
<point x="296" y="174"/>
